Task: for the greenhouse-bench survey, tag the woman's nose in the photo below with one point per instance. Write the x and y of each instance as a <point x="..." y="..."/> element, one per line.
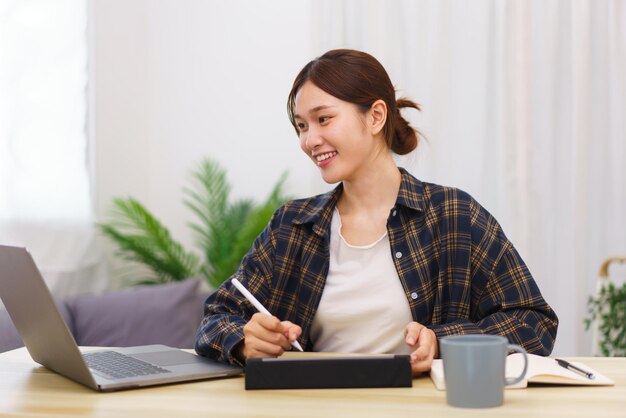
<point x="313" y="139"/>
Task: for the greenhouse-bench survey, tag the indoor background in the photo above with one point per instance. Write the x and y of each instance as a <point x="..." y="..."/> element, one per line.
<point x="524" y="107"/>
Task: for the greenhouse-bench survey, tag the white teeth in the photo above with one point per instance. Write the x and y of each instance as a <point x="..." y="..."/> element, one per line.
<point x="323" y="157"/>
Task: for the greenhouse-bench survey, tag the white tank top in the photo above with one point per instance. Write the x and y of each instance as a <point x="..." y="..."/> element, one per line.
<point x="363" y="308"/>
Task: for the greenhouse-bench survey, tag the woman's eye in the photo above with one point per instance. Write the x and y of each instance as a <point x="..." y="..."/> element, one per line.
<point x="300" y="126"/>
<point x="324" y="119"/>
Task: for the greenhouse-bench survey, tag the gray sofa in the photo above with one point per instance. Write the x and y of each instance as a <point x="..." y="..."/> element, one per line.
<point x="159" y="314"/>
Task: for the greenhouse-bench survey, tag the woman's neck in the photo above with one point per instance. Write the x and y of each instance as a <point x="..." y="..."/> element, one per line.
<point x="374" y="190"/>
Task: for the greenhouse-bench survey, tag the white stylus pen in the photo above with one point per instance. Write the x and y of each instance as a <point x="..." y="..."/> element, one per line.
<point x="258" y="305"/>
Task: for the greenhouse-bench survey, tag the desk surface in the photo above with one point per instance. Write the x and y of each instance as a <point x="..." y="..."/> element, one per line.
<point x="27" y="389"/>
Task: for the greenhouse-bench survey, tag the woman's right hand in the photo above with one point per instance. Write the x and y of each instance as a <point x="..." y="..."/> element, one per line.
<point x="267" y="336"/>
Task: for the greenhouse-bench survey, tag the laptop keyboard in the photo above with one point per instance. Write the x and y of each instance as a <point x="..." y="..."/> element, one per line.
<point x="118" y="366"/>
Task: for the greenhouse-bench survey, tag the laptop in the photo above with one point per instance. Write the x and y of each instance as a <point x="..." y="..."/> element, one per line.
<point x="50" y="343"/>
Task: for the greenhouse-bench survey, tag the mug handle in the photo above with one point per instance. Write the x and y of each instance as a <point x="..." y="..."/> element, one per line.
<point x="517" y="348"/>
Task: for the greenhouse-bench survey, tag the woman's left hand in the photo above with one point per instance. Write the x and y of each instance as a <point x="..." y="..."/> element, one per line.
<point x="424" y="347"/>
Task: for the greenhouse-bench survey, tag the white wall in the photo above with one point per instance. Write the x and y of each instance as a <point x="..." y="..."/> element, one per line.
<point x="176" y="81"/>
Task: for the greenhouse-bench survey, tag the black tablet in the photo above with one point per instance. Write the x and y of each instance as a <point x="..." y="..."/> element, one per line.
<point x="352" y="371"/>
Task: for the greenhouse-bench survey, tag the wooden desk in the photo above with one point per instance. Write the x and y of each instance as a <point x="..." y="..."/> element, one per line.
<point x="27" y="389"/>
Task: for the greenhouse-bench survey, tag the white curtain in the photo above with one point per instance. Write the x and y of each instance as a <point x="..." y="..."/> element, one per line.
<point x="524" y="108"/>
<point x="45" y="201"/>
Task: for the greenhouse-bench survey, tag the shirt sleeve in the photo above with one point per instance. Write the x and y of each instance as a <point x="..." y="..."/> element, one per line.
<point x="226" y="311"/>
<point x="505" y="299"/>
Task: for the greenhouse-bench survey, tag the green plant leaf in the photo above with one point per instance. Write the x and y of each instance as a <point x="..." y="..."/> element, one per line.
<point x="207" y="198"/>
<point x="142" y="238"/>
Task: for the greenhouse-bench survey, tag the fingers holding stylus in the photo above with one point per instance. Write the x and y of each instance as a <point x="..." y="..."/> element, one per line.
<point x="266" y="336"/>
<point x="291" y="331"/>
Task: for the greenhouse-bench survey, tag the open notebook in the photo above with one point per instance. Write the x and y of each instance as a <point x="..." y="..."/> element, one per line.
<point x="544" y="370"/>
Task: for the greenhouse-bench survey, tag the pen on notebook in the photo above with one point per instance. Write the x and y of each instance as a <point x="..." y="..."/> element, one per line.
<point x="570" y="366"/>
<point x="258" y="305"/>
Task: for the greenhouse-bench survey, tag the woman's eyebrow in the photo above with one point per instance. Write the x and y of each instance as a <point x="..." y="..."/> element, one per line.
<point x="315" y="109"/>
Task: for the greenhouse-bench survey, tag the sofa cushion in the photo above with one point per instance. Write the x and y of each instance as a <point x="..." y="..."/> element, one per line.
<point x="10" y="339"/>
<point x="158" y="314"/>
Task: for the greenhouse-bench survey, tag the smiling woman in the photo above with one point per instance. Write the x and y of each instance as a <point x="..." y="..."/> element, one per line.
<point x="384" y="263"/>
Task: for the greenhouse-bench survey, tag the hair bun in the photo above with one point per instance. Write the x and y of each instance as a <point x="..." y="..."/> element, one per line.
<point x="404" y="102"/>
<point x="405" y="137"/>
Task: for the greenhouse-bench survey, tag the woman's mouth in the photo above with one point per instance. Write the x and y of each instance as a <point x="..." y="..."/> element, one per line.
<point x="324" y="159"/>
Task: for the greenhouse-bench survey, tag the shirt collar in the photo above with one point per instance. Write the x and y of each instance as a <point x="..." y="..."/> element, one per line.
<point x="411" y="193"/>
<point x="319" y="209"/>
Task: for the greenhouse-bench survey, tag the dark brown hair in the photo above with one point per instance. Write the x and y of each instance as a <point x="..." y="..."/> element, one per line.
<point x="357" y="77"/>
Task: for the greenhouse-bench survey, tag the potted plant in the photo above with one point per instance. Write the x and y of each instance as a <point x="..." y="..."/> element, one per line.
<point x="223" y="230"/>
<point x="607" y="311"/>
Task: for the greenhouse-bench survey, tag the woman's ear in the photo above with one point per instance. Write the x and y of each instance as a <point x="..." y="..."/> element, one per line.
<point x="378" y="116"/>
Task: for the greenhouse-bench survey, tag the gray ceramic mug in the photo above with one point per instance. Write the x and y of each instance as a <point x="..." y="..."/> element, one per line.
<point x="474" y="367"/>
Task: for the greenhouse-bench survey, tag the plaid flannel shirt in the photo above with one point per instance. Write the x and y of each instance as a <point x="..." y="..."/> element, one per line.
<point x="460" y="273"/>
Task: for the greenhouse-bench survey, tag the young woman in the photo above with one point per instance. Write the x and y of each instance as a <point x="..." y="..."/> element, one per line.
<point x="384" y="263"/>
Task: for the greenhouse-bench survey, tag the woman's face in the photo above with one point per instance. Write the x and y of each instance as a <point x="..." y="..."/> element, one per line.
<point x="335" y="134"/>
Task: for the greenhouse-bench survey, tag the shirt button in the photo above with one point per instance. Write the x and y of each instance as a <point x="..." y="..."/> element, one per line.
<point x="414" y="295"/>
<point x="398" y="254"/>
<point x="394" y="212"/>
